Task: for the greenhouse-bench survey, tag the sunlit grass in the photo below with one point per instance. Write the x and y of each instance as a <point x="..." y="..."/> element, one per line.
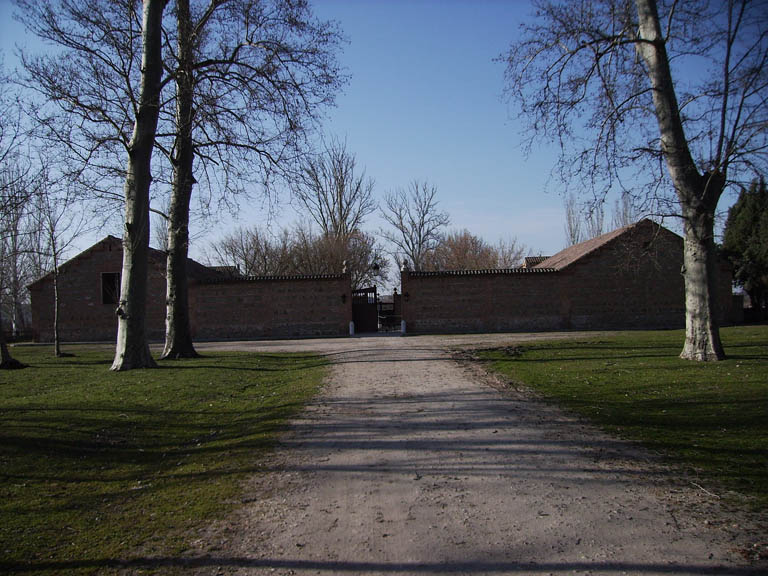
<point x="710" y="417"/>
<point x="97" y="466"/>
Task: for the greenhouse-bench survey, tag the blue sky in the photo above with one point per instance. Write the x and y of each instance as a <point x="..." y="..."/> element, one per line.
<point x="424" y="102"/>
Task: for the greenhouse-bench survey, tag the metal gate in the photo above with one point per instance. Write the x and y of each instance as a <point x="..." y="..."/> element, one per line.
<point x="365" y="311"/>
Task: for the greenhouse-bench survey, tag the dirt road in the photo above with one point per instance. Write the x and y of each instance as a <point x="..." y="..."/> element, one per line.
<point x="411" y="463"/>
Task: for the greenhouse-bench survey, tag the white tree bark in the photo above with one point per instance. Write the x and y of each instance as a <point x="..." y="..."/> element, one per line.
<point x="132" y="349"/>
<point x="698" y="195"/>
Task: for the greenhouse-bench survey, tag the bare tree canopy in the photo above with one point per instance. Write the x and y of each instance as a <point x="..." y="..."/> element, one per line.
<point x="334" y="192"/>
<point x="665" y="99"/>
<point x="254" y="253"/>
<point x="301" y="251"/>
<point x="416" y="223"/>
<point x="14" y="195"/>
<point x="462" y="250"/>
<point x="87" y="86"/>
<point x="250" y="81"/>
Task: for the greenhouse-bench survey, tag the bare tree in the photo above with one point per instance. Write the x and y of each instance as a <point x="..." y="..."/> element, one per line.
<point x="594" y="221"/>
<point x="625" y="212"/>
<point x="573" y="222"/>
<point x="510" y="253"/>
<point x="104" y="82"/>
<point x="334" y="193"/>
<point x="254" y="253"/>
<point x="462" y="250"/>
<point x="13" y="199"/>
<point x="605" y="68"/>
<point x="416" y="223"/>
<point x="338" y="198"/>
<point x="61" y="221"/>
<point x="250" y="79"/>
<point x="301" y="250"/>
<point x="13" y="195"/>
<point x="132" y="349"/>
<point x="15" y="185"/>
<point x="319" y="253"/>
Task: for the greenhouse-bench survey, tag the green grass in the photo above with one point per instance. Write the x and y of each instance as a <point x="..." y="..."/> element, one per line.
<point x="712" y="418"/>
<point x="99" y="468"/>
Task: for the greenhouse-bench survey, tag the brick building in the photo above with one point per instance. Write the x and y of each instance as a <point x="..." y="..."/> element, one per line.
<point x="628" y="278"/>
<point x="223" y="304"/>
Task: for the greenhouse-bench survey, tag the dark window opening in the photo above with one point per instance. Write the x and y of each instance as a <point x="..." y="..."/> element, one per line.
<point x="110" y="287"/>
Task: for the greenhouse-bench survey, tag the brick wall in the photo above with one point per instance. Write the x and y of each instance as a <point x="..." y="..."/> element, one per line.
<point x="481" y="302"/>
<point x="272" y="308"/>
<point x="257" y="308"/>
<point x="631" y="282"/>
<point x="82" y="314"/>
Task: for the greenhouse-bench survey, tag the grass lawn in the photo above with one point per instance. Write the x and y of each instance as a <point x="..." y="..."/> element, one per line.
<point x="99" y="468"/>
<point x="710" y="417"/>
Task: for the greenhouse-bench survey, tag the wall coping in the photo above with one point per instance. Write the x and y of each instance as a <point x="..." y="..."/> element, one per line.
<point x="487" y="272"/>
<point x="286" y="278"/>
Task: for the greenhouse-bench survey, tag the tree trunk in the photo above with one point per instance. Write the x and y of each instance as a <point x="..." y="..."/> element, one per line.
<point x="7" y="362"/>
<point x="19" y="326"/>
<point x="132" y="349"/>
<point x="700" y="270"/>
<point x="698" y="195"/>
<point x="56" y="342"/>
<point x="178" y="335"/>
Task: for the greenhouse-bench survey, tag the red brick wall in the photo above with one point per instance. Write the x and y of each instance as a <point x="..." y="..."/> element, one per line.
<point x="272" y="308"/>
<point x="490" y="302"/>
<point x="233" y="309"/>
<point x="632" y="282"/>
<point x="625" y="284"/>
<point x="82" y="315"/>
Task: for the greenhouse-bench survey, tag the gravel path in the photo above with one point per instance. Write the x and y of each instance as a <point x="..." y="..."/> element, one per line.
<point x="413" y="463"/>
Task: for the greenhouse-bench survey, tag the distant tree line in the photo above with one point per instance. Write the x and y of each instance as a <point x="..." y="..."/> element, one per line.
<point x="335" y="195"/>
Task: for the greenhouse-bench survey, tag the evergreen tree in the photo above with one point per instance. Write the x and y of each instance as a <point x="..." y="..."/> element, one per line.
<point x="746" y="243"/>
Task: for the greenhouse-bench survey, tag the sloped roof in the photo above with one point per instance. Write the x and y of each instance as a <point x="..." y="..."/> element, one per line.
<point x="566" y="257"/>
<point x="195" y="270"/>
<point x="66" y="265"/>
